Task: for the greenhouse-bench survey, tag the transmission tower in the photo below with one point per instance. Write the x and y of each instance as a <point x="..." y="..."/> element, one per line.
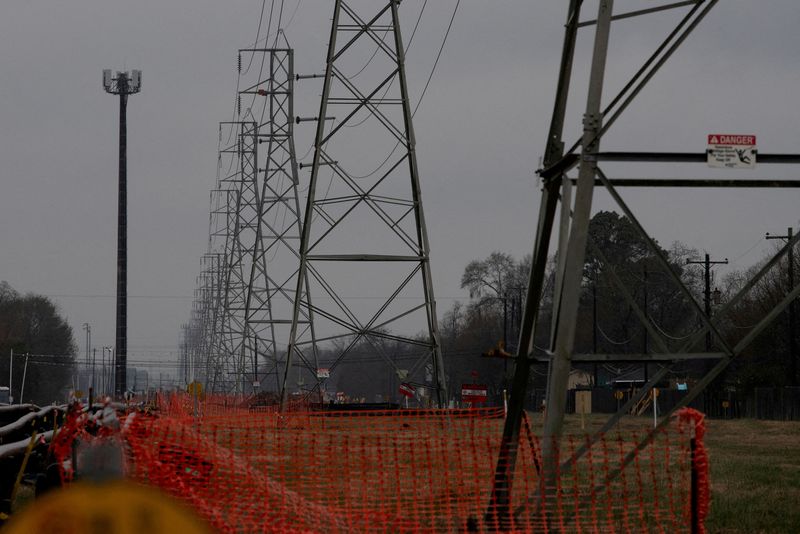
<point x="215" y="331"/>
<point x="575" y="211"/>
<point x="254" y="231"/>
<point x="240" y="246"/>
<point x="364" y="246"/>
<point x="222" y="203"/>
<point x="275" y="265"/>
<point x="207" y="312"/>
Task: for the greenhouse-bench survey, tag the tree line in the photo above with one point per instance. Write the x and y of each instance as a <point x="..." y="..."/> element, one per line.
<point x="31" y="327"/>
<point x="619" y="261"/>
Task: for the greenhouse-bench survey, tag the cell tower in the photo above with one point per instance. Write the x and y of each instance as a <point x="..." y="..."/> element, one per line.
<point x="123" y="84"/>
<point x="574" y="195"/>
<point x="364" y="247"/>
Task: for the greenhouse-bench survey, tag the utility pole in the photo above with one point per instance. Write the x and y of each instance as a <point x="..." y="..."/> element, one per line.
<point x="645" y="340"/>
<point x="707" y="263"/>
<point x="594" y="327"/>
<point x="790" y="311"/>
<point x="122" y="85"/>
<point x="104" y="380"/>
<point x="88" y="328"/>
<point x="24" y="375"/>
<point x="11" y="378"/>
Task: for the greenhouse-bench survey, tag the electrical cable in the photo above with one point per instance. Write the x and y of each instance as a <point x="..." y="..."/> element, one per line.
<point x="665" y="334"/>
<point x="749" y="327"/>
<point x="296" y="6"/>
<point x="438" y="56"/>
<point x="391" y="82"/>
<point x="748" y="251"/>
<point x="378" y="48"/>
<point x="620" y="371"/>
<point x="258" y="34"/>
<point x="236" y="101"/>
<point x="278" y="26"/>
<point x="611" y="340"/>
<point x="422" y="95"/>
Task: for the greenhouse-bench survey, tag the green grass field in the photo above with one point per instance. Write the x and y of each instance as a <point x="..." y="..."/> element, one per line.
<point x="755" y="476"/>
<point x="755" y="472"/>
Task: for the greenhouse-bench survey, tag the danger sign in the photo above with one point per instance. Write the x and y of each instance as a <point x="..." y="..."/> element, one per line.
<point x="723" y="139"/>
<point x="407" y="390"/>
<point x="474" y="392"/>
<point x="731" y="151"/>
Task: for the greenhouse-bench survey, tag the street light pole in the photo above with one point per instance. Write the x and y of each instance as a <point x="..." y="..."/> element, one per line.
<point x="123" y="85"/>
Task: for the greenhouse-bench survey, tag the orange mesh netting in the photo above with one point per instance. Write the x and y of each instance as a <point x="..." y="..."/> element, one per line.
<point x="397" y="471"/>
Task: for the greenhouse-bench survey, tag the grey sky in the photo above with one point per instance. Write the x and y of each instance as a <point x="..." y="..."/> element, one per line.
<point x="480" y="132"/>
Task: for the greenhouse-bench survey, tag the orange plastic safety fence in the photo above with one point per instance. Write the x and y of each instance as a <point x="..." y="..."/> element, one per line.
<point x="404" y="471"/>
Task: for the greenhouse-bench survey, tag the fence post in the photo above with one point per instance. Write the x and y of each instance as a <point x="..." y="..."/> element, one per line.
<point x="693" y="496"/>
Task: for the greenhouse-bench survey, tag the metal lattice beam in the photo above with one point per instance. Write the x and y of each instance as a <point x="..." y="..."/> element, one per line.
<point x="572" y="244"/>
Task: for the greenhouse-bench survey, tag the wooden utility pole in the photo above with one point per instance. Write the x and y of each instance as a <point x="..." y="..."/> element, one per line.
<point x="790" y="311"/>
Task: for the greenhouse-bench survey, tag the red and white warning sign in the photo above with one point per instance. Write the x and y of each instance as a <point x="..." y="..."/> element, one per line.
<point x="731" y="151"/>
<point x="407" y="390"/>
<point x="474" y="392"/>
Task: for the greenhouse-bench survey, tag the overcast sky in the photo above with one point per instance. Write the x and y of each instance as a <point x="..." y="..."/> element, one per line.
<point x="480" y="134"/>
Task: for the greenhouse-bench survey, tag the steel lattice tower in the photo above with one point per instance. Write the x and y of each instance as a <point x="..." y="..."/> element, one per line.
<point x="240" y="244"/>
<point x="364" y="245"/>
<point x="254" y="233"/>
<point x="222" y="201"/>
<point x="216" y="331"/>
<point x="272" y="302"/>
<point x="207" y="363"/>
<point x="572" y="197"/>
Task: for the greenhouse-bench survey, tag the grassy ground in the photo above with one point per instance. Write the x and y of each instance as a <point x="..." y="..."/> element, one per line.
<point x="755" y="472"/>
<point x="755" y="476"/>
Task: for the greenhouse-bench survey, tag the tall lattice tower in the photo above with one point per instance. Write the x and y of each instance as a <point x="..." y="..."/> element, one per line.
<point x="275" y="265"/>
<point x="241" y="213"/>
<point x="364" y="246"/>
<point x="254" y="235"/>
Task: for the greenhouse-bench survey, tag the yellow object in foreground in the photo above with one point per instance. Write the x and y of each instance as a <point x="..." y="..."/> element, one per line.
<point x="117" y="507"/>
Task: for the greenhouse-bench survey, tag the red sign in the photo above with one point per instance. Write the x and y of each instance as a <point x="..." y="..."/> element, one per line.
<point x="474" y="392"/>
<point x="728" y="139"/>
<point x="407" y="390"/>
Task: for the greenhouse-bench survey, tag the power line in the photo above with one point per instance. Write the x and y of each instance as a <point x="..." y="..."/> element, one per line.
<point x="438" y="56"/>
<point x="422" y="95"/>
<point x="258" y="31"/>
<point x="188" y="297"/>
